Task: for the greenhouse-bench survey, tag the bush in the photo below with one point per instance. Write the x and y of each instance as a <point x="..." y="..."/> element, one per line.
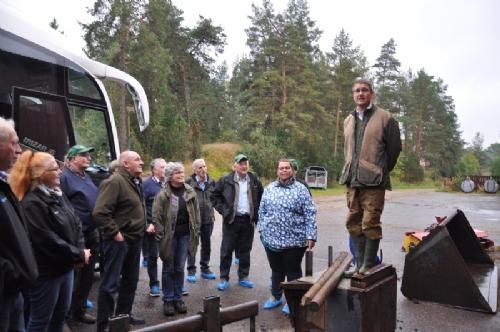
<point x="410" y="171"/>
<point x="264" y="154"/>
<point x="495" y="167"/>
<point x="468" y="165"/>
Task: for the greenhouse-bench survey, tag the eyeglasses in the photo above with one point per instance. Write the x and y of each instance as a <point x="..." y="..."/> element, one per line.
<point x="85" y="155"/>
<point x="360" y="90"/>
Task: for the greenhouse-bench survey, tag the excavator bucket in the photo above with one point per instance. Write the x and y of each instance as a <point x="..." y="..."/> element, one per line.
<point x="449" y="266"/>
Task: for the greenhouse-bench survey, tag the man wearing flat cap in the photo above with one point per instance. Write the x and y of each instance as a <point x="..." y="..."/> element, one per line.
<point x="237" y="198"/>
<point x="82" y="193"/>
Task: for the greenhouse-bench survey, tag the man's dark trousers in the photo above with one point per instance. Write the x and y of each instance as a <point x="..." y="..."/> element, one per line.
<point x="236" y="236"/>
<point x="84" y="275"/>
<point x="120" y="259"/>
<point x="205" y="239"/>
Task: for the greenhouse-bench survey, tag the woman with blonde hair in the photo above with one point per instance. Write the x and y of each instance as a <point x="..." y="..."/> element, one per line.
<point x="56" y="236"/>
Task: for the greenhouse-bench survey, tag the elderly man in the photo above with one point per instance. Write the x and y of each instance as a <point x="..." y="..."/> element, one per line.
<point x="18" y="268"/>
<point x="82" y="193"/>
<point x="120" y="215"/>
<point x="237" y="197"/>
<point x="152" y="187"/>
<point x="372" y="144"/>
<point x="204" y="186"/>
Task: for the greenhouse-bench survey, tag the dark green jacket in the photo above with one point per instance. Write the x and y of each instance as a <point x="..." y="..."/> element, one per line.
<point x="120" y="207"/>
<point x="165" y="220"/>
<point x="380" y="145"/>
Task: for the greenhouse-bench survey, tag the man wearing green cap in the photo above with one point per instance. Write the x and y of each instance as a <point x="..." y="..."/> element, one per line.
<point x="237" y="198"/>
<point x="82" y="193"/>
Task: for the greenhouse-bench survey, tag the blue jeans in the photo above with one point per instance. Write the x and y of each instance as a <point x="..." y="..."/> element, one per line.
<point x="173" y="272"/>
<point x="120" y="275"/>
<point x="12" y="313"/>
<point x="50" y="301"/>
<point x="205" y="237"/>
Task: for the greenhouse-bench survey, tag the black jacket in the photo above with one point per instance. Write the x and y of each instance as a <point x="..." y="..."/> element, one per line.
<point x="224" y="197"/>
<point x="204" y="202"/>
<point x="55" y="232"/>
<point x="18" y="267"/>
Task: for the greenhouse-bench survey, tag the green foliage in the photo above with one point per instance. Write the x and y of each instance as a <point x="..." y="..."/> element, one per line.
<point x="476" y="147"/>
<point x="495" y="167"/>
<point x="409" y="168"/>
<point x="468" y="165"/>
<point x="264" y="154"/>
<point x="285" y="98"/>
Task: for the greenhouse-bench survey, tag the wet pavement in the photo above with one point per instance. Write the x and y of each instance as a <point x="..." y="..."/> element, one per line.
<point x="405" y="210"/>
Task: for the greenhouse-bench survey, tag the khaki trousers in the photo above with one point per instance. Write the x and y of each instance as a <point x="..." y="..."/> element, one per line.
<point x="365" y="209"/>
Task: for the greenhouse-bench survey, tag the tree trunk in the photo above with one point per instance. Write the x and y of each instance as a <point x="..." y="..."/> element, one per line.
<point x="193" y="129"/>
<point x="124" y="129"/>
<point x="337" y="131"/>
<point x="418" y="136"/>
<point x="283" y="84"/>
<point x="273" y="96"/>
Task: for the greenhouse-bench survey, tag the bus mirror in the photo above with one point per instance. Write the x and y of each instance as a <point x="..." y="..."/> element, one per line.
<point x="137" y="106"/>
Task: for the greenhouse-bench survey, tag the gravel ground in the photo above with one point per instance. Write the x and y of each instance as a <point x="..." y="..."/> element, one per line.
<point x="405" y="210"/>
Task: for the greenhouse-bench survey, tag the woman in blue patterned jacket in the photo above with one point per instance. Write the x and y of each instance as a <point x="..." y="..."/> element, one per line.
<point x="287" y="226"/>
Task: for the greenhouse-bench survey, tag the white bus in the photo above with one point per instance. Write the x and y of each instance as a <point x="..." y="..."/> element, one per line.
<point x="55" y="95"/>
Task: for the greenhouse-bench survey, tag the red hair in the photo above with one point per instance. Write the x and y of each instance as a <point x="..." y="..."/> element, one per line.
<point x="26" y="172"/>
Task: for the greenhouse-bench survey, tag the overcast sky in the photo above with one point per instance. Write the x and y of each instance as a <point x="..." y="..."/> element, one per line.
<point x="455" y="40"/>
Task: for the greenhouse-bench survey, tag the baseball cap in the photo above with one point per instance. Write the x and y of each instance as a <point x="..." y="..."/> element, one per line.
<point x="240" y="157"/>
<point x="77" y="149"/>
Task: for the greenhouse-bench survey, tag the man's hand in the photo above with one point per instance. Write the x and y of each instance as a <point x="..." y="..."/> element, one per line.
<point x="87" y="255"/>
<point x="150" y="229"/>
<point x="119" y="237"/>
<point x="310" y="244"/>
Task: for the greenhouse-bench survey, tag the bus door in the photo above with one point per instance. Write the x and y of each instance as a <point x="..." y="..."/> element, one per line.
<point x="42" y="122"/>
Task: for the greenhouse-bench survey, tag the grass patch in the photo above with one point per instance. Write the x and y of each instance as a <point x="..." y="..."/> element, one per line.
<point x="335" y="190"/>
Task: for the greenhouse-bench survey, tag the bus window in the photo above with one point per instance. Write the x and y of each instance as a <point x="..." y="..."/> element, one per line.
<point x="90" y="129"/>
<point x="42" y="122"/>
<point x="80" y="84"/>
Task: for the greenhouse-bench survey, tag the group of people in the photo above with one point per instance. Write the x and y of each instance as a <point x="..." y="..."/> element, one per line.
<point x="55" y="222"/>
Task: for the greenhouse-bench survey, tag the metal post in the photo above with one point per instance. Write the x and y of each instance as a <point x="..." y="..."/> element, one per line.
<point x="211" y="314"/>
<point x="252" y="324"/>
<point x="309" y="263"/>
<point x="330" y="256"/>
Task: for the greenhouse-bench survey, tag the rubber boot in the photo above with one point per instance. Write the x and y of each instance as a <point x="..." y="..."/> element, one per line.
<point x="359" y="253"/>
<point x="370" y="256"/>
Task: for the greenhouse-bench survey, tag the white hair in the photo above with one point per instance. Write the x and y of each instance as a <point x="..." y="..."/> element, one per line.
<point x="196" y="162"/>
<point x="173" y="167"/>
<point x="6" y="128"/>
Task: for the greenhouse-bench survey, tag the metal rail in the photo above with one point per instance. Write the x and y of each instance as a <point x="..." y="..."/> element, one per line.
<point x="211" y="319"/>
